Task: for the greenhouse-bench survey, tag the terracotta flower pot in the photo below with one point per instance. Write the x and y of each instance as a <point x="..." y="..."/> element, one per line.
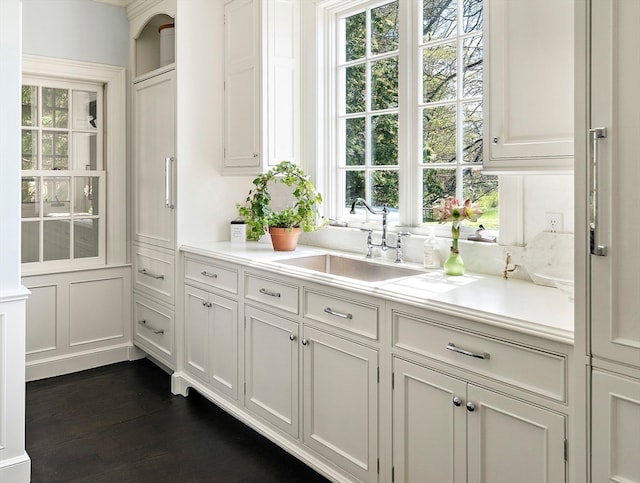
<point x="284" y="239"/>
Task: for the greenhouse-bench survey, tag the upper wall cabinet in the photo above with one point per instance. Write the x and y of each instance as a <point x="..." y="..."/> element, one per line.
<point x="529" y="86"/>
<point x="262" y="84"/>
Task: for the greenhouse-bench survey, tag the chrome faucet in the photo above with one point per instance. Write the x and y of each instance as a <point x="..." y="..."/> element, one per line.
<point x="384" y="245"/>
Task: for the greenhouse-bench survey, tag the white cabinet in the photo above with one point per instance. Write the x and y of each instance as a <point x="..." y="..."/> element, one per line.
<point x="154" y="329"/>
<point x="616" y="428"/>
<point x="481" y="435"/>
<point x="528" y="85"/>
<point x="262" y="84"/>
<point x="211" y="339"/>
<point x="272" y="369"/>
<point x="340" y="394"/>
<point x="154" y="162"/>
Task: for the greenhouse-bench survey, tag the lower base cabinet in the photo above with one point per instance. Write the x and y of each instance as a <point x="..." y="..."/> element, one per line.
<point x="615" y="427"/>
<point x="211" y="339"/>
<point x="448" y="430"/>
<point x="340" y="394"/>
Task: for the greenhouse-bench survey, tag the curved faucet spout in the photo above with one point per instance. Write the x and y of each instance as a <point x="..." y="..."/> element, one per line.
<point x="363" y="202"/>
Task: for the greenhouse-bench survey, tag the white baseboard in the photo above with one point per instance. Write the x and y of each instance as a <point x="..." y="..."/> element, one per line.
<point x="16" y="470"/>
<point x="79" y="361"/>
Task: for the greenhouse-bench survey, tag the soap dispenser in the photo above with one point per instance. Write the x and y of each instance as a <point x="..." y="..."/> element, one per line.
<point x="431" y="251"/>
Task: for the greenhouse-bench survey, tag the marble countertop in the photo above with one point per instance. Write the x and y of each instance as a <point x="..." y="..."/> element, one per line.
<point x="514" y="304"/>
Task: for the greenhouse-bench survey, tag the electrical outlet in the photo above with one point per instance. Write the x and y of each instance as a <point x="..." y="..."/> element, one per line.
<point x="553" y="222"/>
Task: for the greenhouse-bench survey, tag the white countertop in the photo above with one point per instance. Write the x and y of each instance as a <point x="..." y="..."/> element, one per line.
<point x="513" y="304"/>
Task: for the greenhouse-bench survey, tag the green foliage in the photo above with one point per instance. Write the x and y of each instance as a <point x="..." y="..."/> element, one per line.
<point x="257" y="212"/>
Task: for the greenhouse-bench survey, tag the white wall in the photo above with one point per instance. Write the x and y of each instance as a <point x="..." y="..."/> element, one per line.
<point x="76" y="29"/>
<point x="206" y="199"/>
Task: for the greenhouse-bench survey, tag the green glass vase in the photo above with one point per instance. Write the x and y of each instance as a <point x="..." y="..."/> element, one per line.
<point x="454" y="265"/>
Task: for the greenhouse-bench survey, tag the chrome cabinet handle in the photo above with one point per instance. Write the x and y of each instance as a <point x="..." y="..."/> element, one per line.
<point x="471" y="407"/>
<point x="150" y="327"/>
<point x="330" y="311"/>
<point x="305" y="341"/>
<point x="595" y="248"/>
<point x="210" y="275"/>
<point x="168" y="201"/>
<point x="269" y="293"/>
<point x="478" y="355"/>
<point x="143" y="271"/>
<point x="292" y="337"/>
<point x="457" y="401"/>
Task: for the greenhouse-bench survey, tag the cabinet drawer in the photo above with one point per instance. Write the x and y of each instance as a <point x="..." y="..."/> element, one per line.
<point x="212" y="274"/>
<point x="271" y="292"/>
<point x="154" y="328"/>
<point x="540" y="372"/>
<point x="347" y="314"/>
<point x="154" y="273"/>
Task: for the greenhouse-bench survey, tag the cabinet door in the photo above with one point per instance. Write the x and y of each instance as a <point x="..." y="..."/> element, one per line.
<point x="429" y="425"/>
<point x="529" y="85"/>
<point x="616" y="428"/>
<point x="211" y="340"/>
<point x="196" y="332"/>
<point x="341" y="402"/>
<point x="615" y="97"/>
<point x="509" y="440"/>
<point x="242" y="31"/>
<point x="154" y="170"/>
<point x="271" y="369"/>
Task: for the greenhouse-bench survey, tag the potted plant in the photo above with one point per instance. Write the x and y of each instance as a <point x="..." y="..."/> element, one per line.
<point x="285" y="225"/>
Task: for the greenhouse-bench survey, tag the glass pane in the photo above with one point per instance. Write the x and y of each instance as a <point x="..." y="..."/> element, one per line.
<point x="55" y="150"/>
<point x="84" y="155"/>
<point x="439" y="134"/>
<point x="384" y="140"/>
<point x="55" y="240"/>
<point x="356" y="36"/>
<point x="384" y="84"/>
<point x="436" y="184"/>
<point x="85" y="238"/>
<point x="472" y="78"/>
<point x="56" y="196"/>
<point x="354" y="186"/>
<point x="55" y="107"/>
<point x="472" y="133"/>
<point x="483" y="190"/>
<point x="439" y="19"/>
<point x="355" y="142"/>
<point x="472" y="15"/>
<point x="30" y="192"/>
<point x="355" y="89"/>
<point x="29" y="149"/>
<point x="29" y="106"/>
<point x="439" y="73"/>
<point x="30" y="242"/>
<point x="84" y="110"/>
<point x="384" y="28"/>
<point x="384" y="188"/>
<point x="85" y="199"/>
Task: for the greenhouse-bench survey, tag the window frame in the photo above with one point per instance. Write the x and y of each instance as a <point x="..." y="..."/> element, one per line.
<point x="114" y="145"/>
<point x="321" y="148"/>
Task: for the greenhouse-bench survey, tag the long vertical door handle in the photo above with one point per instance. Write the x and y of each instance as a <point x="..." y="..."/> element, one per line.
<point x="595" y="247"/>
<point x="168" y="185"/>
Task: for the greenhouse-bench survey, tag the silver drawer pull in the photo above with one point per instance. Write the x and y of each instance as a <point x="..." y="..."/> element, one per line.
<point x="143" y="271"/>
<point x="269" y="293"/>
<point x="155" y="331"/>
<point x="210" y="275"/>
<point x="452" y="347"/>
<point x="329" y="311"/>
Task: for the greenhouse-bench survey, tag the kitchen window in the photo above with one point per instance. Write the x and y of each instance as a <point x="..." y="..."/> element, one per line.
<point x="405" y="106"/>
<point x="71" y="217"/>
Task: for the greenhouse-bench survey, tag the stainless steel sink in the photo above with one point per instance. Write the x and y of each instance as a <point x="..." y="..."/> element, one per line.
<point x="359" y="269"/>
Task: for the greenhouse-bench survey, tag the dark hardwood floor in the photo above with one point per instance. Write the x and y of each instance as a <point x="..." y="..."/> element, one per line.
<point x="120" y="423"/>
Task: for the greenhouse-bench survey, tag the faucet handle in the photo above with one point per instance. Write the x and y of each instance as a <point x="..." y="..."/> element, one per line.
<point x="369" y="230"/>
<point x="403" y="234"/>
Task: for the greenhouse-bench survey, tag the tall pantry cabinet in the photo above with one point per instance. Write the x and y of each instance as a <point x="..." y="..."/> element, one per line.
<point x="607" y="179"/>
<point x="153" y="174"/>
